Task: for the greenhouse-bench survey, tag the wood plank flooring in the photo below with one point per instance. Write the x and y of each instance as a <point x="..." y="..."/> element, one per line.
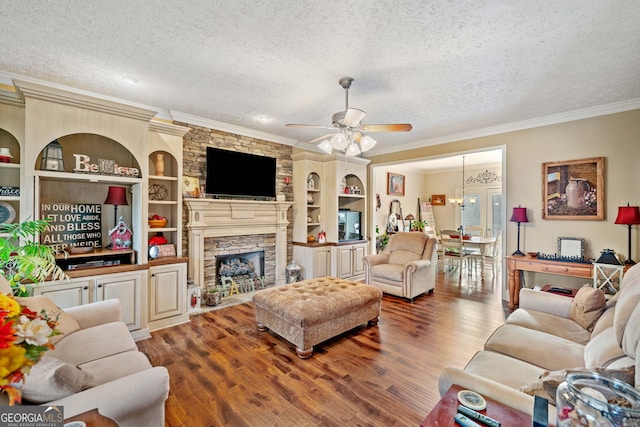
<point x="226" y="373"/>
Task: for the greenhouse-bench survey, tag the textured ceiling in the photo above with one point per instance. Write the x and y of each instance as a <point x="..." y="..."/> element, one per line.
<point x="447" y="67"/>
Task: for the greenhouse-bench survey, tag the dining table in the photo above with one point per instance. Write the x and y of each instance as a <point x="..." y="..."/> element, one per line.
<point x="479" y="242"/>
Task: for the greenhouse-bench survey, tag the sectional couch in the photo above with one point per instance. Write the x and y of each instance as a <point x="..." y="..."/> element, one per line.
<point x="549" y="334"/>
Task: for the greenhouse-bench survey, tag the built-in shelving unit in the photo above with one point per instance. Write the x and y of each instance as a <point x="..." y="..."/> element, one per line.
<point x="10" y="179"/>
<point x="314" y="205"/>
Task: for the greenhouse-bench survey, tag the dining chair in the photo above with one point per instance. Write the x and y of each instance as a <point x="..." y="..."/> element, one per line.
<point x="474" y="230"/>
<point x="492" y="255"/>
<point x="452" y="249"/>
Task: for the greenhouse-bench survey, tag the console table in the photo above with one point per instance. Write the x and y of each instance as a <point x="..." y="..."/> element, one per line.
<point x="442" y="414"/>
<point x="518" y="263"/>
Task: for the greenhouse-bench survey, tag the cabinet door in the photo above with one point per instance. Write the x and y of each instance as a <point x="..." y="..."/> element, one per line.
<point x="126" y="288"/>
<point x="68" y="294"/>
<point x="345" y="268"/>
<point x="321" y="262"/>
<point x="358" y="256"/>
<point x="167" y="290"/>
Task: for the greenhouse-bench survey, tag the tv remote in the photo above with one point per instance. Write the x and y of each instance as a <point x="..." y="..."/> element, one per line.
<point x="560" y="290"/>
<point x="478" y="416"/>
<point x="464" y="421"/>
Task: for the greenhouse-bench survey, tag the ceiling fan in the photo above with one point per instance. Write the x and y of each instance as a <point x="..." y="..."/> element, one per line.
<point x="350" y="137"/>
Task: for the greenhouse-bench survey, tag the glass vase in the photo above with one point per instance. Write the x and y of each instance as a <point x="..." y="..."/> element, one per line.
<point x="591" y="399"/>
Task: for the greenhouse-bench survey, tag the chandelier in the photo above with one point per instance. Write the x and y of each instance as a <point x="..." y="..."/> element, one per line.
<point x="464" y="197"/>
<point x="348" y="141"/>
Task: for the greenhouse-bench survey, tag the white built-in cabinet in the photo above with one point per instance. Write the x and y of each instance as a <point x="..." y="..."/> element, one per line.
<point x="167" y="295"/>
<point x="100" y="130"/>
<point x="319" y="193"/>
<point x="125" y="286"/>
<point x="349" y="261"/>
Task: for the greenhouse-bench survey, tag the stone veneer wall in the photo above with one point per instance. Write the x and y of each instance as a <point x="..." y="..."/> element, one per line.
<point x="195" y="143"/>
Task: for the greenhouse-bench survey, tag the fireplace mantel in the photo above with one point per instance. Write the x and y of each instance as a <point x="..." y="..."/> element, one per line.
<point x="222" y="218"/>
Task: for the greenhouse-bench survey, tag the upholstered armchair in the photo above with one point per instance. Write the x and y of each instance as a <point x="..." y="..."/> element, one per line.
<point x="406" y="268"/>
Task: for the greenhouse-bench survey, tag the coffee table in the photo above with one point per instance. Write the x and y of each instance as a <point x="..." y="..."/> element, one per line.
<point x="444" y="411"/>
<point x="93" y="418"/>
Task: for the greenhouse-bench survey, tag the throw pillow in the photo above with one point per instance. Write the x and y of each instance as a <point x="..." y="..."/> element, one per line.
<point x="52" y="379"/>
<point x="66" y="323"/>
<point x="547" y="385"/>
<point x="587" y="306"/>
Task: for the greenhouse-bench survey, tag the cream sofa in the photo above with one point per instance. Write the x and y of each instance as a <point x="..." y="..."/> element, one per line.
<point x="406" y="268"/>
<point x="96" y="364"/>
<point x="542" y="335"/>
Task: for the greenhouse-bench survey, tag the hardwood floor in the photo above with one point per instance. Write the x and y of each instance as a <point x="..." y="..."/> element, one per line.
<point x="226" y="373"/>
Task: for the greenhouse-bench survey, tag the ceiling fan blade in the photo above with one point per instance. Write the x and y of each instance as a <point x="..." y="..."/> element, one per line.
<point x="294" y="125"/>
<point x="320" y="138"/>
<point x="352" y="117"/>
<point x="395" y="127"/>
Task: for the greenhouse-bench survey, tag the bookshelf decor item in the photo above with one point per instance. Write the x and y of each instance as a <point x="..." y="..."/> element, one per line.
<point x="573" y="189"/>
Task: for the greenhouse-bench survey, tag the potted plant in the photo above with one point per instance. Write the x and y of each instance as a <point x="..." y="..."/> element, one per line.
<point x="24" y="260"/>
<point x="213" y="296"/>
<point x="418" y="225"/>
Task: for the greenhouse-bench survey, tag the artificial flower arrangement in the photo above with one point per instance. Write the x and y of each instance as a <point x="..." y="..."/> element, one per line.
<point x="24" y="337"/>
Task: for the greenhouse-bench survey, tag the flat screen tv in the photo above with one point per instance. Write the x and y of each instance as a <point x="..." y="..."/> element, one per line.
<point x="232" y="174"/>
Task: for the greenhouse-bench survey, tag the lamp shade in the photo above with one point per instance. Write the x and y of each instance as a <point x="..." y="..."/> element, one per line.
<point x="519" y="215"/>
<point x="628" y="215"/>
<point x="116" y="196"/>
<point x="367" y="143"/>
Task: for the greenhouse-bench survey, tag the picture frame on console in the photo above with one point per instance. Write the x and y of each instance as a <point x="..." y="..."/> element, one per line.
<point x="573" y="189"/>
<point x="571" y="248"/>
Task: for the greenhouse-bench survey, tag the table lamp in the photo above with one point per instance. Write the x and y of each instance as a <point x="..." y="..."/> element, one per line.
<point x="519" y="215"/>
<point x="116" y="196"/>
<point x="628" y="215"/>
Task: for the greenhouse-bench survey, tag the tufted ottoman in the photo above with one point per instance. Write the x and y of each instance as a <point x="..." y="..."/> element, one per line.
<point x="311" y="311"/>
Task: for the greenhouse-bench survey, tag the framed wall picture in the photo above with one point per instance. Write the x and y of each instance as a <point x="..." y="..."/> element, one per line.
<point x="573" y="189"/>
<point x="190" y="187"/>
<point x="438" y="199"/>
<point x="395" y="184"/>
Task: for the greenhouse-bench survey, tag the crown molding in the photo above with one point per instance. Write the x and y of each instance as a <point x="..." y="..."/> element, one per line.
<point x="226" y="127"/>
<point x="168" y="128"/>
<point x="62" y="96"/>
<point x="569" y="116"/>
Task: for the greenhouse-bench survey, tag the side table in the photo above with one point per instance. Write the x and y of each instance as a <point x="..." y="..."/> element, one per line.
<point x="442" y="414"/>
<point x="93" y="418"/>
<point x="518" y="263"/>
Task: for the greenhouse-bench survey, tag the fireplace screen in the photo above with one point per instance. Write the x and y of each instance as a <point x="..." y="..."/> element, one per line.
<point x="240" y="273"/>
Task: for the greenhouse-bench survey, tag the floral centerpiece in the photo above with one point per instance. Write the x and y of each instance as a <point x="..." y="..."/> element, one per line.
<point x="24" y="337"/>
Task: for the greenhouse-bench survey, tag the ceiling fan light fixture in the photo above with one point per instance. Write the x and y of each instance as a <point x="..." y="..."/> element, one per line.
<point x="325" y="146"/>
<point x="367" y="143"/>
<point x="339" y="141"/>
<point x="352" y="149"/>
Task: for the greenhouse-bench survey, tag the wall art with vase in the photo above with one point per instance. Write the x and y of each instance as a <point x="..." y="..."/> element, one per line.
<point x="573" y="189"/>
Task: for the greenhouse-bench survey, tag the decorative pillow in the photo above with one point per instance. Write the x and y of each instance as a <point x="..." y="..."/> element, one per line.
<point x="587" y="306"/>
<point x="548" y="383"/>
<point x="52" y="379"/>
<point x="66" y="323"/>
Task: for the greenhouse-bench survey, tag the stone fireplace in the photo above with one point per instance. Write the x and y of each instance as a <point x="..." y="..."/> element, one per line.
<point x="248" y="260"/>
<point x="216" y="226"/>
